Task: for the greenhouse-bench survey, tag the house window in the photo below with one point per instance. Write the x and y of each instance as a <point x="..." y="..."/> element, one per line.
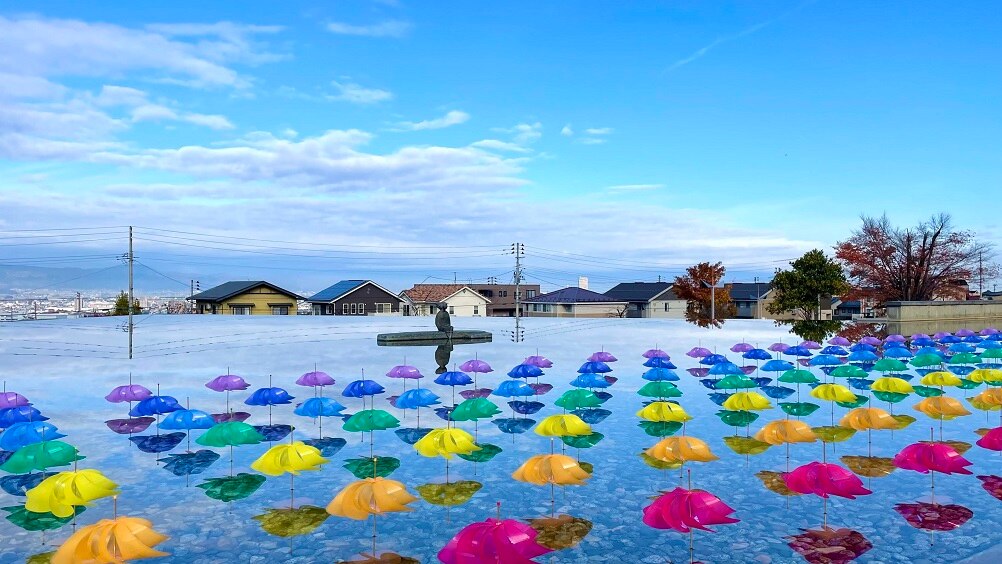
<point x="476" y="310"/>
<point x="452" y="310"/>
<point x="344" y="309"/>
<point x="240" y="310"/>
<point x="530" y="293"/>
<point x="330" y="309"/>
<point x="361" y="309"/>
<point x="280" y="310"/>
<point x="535" y="307"/>
<point x="547" y="308"/>
<point x="568" y="308"/>
<point x="354" y="309"/>
<point x="666" y="306"/>
<point x="486" y="293"/>
<point x="379" y="308"/>
<point x="316" y="309"/>
<point x="502" y="293"/>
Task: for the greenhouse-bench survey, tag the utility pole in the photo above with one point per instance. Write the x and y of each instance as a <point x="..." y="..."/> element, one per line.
<point x="758" y="309"/>
<point x="981" y="274"/>
<point x="131" y="297"/>
<point x="79" y="303"/>
<point x="518" y="249"/>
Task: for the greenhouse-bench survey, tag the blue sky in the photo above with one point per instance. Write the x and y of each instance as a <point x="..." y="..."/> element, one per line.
<point x="649" y="134"/>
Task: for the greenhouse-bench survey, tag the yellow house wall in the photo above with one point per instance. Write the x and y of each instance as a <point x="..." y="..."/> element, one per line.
<point x="260" y="298"/>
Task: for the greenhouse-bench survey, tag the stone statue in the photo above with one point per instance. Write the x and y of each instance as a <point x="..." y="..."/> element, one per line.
<point x="442" y="320"/>
<point x="442" y="356"/>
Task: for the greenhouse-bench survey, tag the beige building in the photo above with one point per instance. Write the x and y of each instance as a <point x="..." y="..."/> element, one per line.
<point x="575" y="302"/>
<point x="252" y="297"/>
<point x="460" y="300"/>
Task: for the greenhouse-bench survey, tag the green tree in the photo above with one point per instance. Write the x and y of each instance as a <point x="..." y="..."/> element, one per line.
<point x="813" y="278"/>
<point x="122" y="305"/>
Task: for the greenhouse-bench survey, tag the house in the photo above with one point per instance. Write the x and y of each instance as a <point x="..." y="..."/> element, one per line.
<point x="749" y="299"/>
<point x="502" y="297"/>
<point x="575" y="302"/>
<point x="991" y="295"/>
<point x="355" y="297"/>
<point x="846" y="310"/>
<point x="459" y="299"/>
<point x="252" y="297"/>
<point x="649" y="299"/>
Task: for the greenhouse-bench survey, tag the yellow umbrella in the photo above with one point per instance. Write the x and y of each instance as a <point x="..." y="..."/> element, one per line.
<point x="58" y="494"/>
<point x="785" y="431"/>
<point x="870" y="466"/>
<point x="553" y="469"/>
<point x="991" y="397"/>
<point x="891" y="384"/>
<point x="662" y="411"/>
<point x="746" y="445"/>
<point x="746" y="401"/>
<point x="292" y="458"/>
<point x="445" y="443"/>
<point x="111" y="540"/>
<point x="371" y="496"/>
<point x="833" y="392"/>
<point x="866" y="418"/>
<point x="989" y="375"/>
<point x="563" y="425"/>
<point x="940" y="378"/>
<point x="682" y="449"/>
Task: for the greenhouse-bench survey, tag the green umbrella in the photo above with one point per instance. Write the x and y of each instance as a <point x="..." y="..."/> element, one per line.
<point x="577" y="399"/>
<point x="474" y="409"/>
<point x="890" y="365"/>
<point x="660" y="389"/>
<point x="41" y="558"/>
<point x="991" y="353"/>
<point x="587" y="467"/>
<point x="660" y="428"/>
<point x="966" y="384"/>
<point x="848" y="371"/>
<point x="965" y="358"/>
<point x="287" y="522"/>
<point x="449" y="494"/>
<point x="904" y="420"/>
<point x="583" y="441"/>
<point x="928" y="391"/>
<point x="32" y="521"/>
<point x="797" y="376"/>
<point x="363" y="467"/>
<point x="746" y="445"/>
<point x="859" y="402"/>
<point x="799" y="409"/>
<point x="232" y="488"/>
<point x="735" y="382"/>
<point x="890" y="397"/>
<point x="833" y="434"/>
<point x="487" y="451"/>
<point x="370" y="420"/>
<point x="926" y="360"/>
<point x="231" y="433"/>
<point x="39" y="456"/>
<point x="737" y="418"/>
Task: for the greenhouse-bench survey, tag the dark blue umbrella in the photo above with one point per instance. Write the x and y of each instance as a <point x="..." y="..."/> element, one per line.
<point x="411" y="435"/>
<point x="445" y="412"/>
<point x="709" y="383"/>
<point x="158" y="443"/>
<point x="712" y="359"/>
<point x="661" y="375"/>
<point x="28" y="433"/>
<point x="453" y="378"/>
<point x="514" y="426"/>
<point x="20" y="414"/>
<point x="778" y="392"/>
<point x="835" y="350"/>
<point x="719" y="397"/>
<point x="950" y="339"/>
<point x="761" y="381"/>
<point x="862" y="347"/>
<point x="525" y="371"/>
<point x="592" y="416"/>
<point x="273" y="433"/>
<point x="362" y="388"/>
<point x="659" y="362"/>
<point x="155" y="405"/>
<point x="269" y="396"/>
<point x="860" y="383"/>
<point x="188" y="463"/>
<point x="19" y="484"/>
<point x="526" y="407"/>
<point x="757" y="354"/>
<point x="604" y="396"/>
<point x="594" y="367"/>
<point x="972" y="339"/>
<point x="777" y="365"/>
<point x="329" y="446"/>
<point x="798" y="350"/>
<point x="923" y="342"/>
<point x="958" y="369"/>
<point x="4" y="455"/>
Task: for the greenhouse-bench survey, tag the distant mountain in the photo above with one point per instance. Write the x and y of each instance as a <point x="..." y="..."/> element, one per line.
<point x="14" y="279"/>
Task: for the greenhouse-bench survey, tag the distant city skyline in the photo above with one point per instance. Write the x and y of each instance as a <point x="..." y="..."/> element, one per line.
<point x="305" y="143"/>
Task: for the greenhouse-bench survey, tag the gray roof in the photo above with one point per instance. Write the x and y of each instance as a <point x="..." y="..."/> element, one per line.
<point x="640" y="291"/>
<point x="230" y="289"/>
<point x="572" y="295"/>
<point x="749" y="290"/>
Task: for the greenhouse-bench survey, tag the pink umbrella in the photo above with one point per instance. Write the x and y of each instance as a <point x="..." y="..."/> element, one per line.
<point x="934" y="516"/>
<point x="698" y="352"/>
<point x="683" y="510"/>
<point x="992" y="485"/>
<point x="12" y="399"/>
<point x="741" y="348"/>
<point x="928" y="457"/>
<point x="778" y="347"/>
<point x="823" y="480"/>
<point x="992" y="440"/>
<point x="655" y="353"/>
<point x="839" y="341"/>
<point x="538" y="361"/>
<point x="602" y="356"/>
<point x="493" y="541"/>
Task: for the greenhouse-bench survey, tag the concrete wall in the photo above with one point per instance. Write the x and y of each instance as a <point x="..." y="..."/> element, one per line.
<point x="675" y="310"/>
<point x="944" y="311"/>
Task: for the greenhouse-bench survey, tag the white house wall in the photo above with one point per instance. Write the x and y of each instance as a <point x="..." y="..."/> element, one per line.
<point x="467" y="303"/>
<point x="676" y="309"/>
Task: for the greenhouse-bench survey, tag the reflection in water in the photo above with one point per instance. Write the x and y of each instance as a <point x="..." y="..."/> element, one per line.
<point x="560" y="532"/>
<point x="934" y="516"/>
<point x="829" y="545"/>
<point x="291" y="522"/>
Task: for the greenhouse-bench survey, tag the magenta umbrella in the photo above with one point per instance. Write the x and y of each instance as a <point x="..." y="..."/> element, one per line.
<point x="227" y="383"/>
<point x="538" y="361"/>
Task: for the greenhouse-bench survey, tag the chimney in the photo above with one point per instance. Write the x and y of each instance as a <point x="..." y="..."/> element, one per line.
<point x="583" y="282"/>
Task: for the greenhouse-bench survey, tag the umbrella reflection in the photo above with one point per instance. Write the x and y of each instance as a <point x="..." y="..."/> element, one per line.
<point x="934" y="516"/>
<point x="561" y="531"/>
<point x="288" y="522"/>
<point x="829" y="545"/>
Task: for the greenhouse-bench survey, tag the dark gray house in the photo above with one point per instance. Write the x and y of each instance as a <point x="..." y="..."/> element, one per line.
<point x="355" y="297"/>
<point x="649" y="299"/>
<point x="749" y="298"/>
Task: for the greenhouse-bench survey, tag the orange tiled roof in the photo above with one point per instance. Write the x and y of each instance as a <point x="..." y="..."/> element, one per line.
<point x="432" y="292"/>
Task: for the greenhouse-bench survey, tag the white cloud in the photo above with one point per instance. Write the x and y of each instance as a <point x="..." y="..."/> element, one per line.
<point x="112" y="95"/>
<point x="591" y="140"/>
<point x="212" y="121"/>
<point x="454" y="117"/>
<point x="635" y="187"/>
<point x="157" y="112"/>
<point x="598" y="131"/>
<point x="351" y="92"/>
<point x="153" y="112"/>
<point x="567" y="131"/>
<point x="498" y="145"/>
<point x="389" y="28"/>
<point x="523" y="133"/>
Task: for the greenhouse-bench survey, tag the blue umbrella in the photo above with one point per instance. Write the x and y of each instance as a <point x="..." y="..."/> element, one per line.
<point x="594" y="367"/>
<point x="862" y="347"/>
<point x="725" y="368"/>
<point x="712" y="359"/>
<point x="777" y="392"/>
<point x="187" y="419"/>
<point x="897" y="352"/>
<point x="958" y="369"/>
<point x="777" y="366"/>
<point x="825" y="360"/>
<point x="155" y="405"/>
<point x="972" y="339"/>
<point x="273" y="433"/>
<point x="961" y="348"/>
<point x="513" y="388"/>
<point x="28" y="433"/>
<point x="659" y="362"/>
<point x="328" y="446"/>
<point x="20" y="414"/>
<point x="322" y="407"/>
<point x="835" y="350"/>
<point x="158" y="443"/>
<point x="362" y="388"/>
<point x="923" y="342"/>
<point x="590" y="381"/>
<point x="757" y="354"/>
<point x="592" y="416"/>
<point x="453" y="378"/>
<point x="863" y="356"/>
<point x="860" y="383"/>
<point x="269" y="396"/>
<point x="660" y="375"/>
<point x="514" y="426"/>
<point x="950" y="339"/>
<point x="798" y="350"/>
<point x="19" y="484"/>
<point x="188" y="463"/>
<point x="930" y="350"/>
<point x="526" y="407"/>
<point x="525" y="371"/>
<point x="719" y="397"/>
<point x="986" y="344"/>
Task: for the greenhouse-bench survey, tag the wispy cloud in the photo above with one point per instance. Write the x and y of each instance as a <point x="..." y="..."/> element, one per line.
<point x="598" y="131"/>
<point x="635" y="187"/>
<point x="389" y="28"/>
<point x="498" y="145"/>
<point x="356" y="94"/>
<point x="454" y="117"/>
<point x="567" y="131"/>
<point x="523" y="133"/>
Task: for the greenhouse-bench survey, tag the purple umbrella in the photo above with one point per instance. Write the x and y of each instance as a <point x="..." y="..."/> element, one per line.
<point x="404" y="371"/>
<point x="940" y="334"/>
<point x="655" y="353"/>
<point x="811" y="345"/>
<point x="231" y="416"/>
<point x="538" y="361"/>
<point x="476" y="365"/>
<point x="872" y="341"/>
<point x="839" y="341"/>
<point x="749" y="369"/>
<point x="542" y="388"/>
<point x="894" y="339"/>
<point x="476" y="393"/>
<point x="778" y="347"/>
<point x="742" y="348"/>
<point x="12" y="399"/>
<point x="129" y="426"/>
<point x="129" y="393"/>
<point x="698" y="352"/>
<point x="602" y="356"/>
<point x="989" y="331"/>
<point x="920" y="337"/>
<point x="698" y="372"/>
<point x="316" y="379"/>
<point x="965" y="332"/>
<point x="227" y="383"/>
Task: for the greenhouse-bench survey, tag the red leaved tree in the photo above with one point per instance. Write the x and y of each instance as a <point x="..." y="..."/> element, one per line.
<point x="692" y="287"/>
<point x="925" y="262"/>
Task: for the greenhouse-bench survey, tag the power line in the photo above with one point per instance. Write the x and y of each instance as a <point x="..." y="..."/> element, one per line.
<point x="317" y="244"/>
